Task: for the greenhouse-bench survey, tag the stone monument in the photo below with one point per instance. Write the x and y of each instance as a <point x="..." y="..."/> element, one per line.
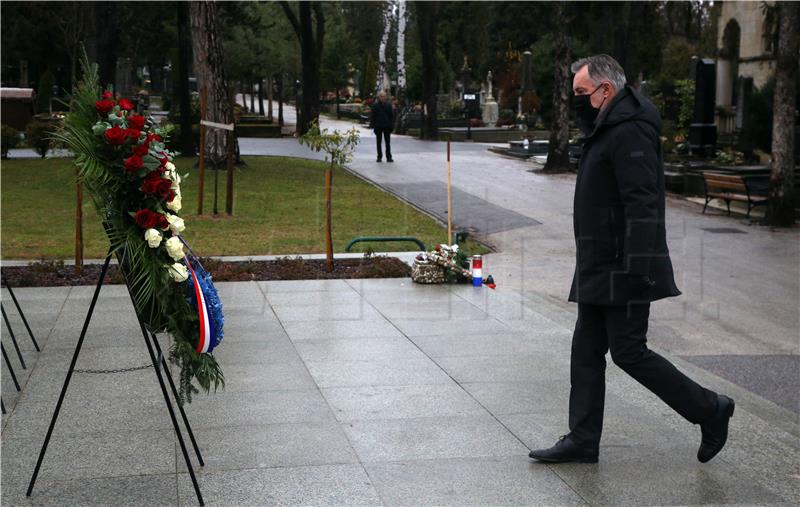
<point x="491" y="110"/>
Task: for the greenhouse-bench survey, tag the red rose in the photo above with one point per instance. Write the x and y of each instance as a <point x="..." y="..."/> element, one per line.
<point x="133" y="133"/>
<point x="133" y="164"/>
<point x="136" y="121"/>
<point x="164" y="160"/>
<point x="147" y="219"/>
<point x="108" y="95"/>
<point x="162" y="222"/>
<point x="170" y="196"/>
<point x="104" y="106"/>
<point x="150" y="183"/>
<point x="141" y="150"/>
<point x="152" y="137"/>
<point x="125" y="104"/>
<point x="163" y="188"/>
<point x="116" y="136"/>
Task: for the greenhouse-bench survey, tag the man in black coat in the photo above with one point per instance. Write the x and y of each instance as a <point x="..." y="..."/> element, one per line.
<point x="622" y="265"/>
<point x="383" y="123"/>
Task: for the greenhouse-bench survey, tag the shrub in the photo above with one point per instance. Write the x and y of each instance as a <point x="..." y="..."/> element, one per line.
<point x="10" y="139"/>
<point x="37" y="136"/>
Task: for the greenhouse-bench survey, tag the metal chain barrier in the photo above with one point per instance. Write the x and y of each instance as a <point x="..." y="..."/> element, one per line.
<point x="119" y="370"/>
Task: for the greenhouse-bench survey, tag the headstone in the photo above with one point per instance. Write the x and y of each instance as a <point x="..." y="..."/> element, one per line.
<point x="527" y="71"/>
<point x="491" y="110"/>
<point x="702" y="130"/>
<point x="744" y="91"/>
<point x="23" y="73"/>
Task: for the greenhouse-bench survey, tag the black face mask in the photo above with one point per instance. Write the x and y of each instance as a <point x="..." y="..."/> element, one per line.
<point x="586" y="113"/>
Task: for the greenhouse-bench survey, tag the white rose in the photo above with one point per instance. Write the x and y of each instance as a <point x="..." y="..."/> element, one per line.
<point x="176" y="223"/>
<point x="153" y="237"/>
<point x="178" y="272"/>
<point x="170" y="166"/>
<point x="174" y="248"/>
<point x="175" y="203"/>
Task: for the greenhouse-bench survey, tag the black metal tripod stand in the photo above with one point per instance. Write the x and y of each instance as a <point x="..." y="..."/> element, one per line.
<point x="159" y="362"/>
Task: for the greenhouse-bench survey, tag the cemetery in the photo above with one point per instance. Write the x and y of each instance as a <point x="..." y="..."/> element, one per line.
<point x="400" y="253"/>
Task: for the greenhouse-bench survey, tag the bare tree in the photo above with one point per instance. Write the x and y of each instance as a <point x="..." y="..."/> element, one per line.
<point x="558" y="148"/>
<point x="780" y="211"/>
<point x="309" y="15"/>
<point x="426" y="26"/>
<point x="208" y="64"/>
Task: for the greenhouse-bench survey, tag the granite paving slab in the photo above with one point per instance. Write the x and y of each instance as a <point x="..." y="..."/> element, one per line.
<point x="431" y="438"/>
<point x="401" y="402"/>
<point x="305" y="485"/>
<point x="471" y="481"/>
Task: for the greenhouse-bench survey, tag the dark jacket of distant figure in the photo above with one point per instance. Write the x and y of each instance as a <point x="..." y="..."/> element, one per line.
<point x="620" y="234"/>
<point x="382" y="115"/>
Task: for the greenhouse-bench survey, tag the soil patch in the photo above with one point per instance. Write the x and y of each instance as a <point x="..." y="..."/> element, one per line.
<point x="56" y="274"/>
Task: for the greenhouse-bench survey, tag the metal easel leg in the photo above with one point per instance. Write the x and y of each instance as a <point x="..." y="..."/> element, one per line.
<point x="13" y="338"/>
<point x="69" y="374"/>
<point x="171" y="411"/>
<point x="21" y="314"/>
<point x="175" y="395"/>
<point x="10" y="368"/>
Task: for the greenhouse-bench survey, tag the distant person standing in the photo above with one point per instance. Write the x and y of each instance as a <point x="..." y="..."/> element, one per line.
<point x="382" y="124"/>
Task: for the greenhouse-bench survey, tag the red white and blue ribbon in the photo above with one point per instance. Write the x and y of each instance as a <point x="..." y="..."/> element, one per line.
<point x="206" y="329"/>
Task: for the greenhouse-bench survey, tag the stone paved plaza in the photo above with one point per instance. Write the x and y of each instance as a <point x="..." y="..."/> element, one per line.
<point x="374" y="392"/>
<point x="366" y="393"/>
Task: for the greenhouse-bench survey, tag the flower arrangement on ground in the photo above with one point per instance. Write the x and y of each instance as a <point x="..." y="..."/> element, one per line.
<point x="450" y="262"/>
<point x="130" y="175"/>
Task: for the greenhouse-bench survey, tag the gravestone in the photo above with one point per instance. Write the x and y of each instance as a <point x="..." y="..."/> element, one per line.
<point x="491" y="111"/>
<point x="702" y="130"/>
<point x="744" y="91"/>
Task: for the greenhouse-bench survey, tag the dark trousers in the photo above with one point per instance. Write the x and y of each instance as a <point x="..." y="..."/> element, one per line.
<point x="623" y="330"/>
<point x="386" y="133"/>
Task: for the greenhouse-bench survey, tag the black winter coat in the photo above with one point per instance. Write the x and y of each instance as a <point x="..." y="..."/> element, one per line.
<point x="618" y="217"/>
<point x="382" y="115"/>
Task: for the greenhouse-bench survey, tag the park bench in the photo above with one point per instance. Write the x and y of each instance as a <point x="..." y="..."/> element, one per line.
<point x="732" y="187"/>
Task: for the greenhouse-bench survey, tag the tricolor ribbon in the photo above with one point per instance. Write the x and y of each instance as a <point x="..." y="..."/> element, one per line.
<point x="206" y="330"/>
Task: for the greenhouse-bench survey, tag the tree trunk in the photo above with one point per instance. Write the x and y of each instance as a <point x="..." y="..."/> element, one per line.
<point x="184" y="56"/>
<point x="280" y="100"/>
<point x="558" y="148"/>
<point x="328" y="217"/>
<point x="269" y="96"/>
<point x="252" y="96"/>
<point x="261" y="96"/>
<point x="780" y="211"/>
<point x="426" y="23"/>
<point x="338" y="110"/>
<point x="381" y="79"/>
<point x="210" y="69"/>
<point x="401" y="52"/>
<point x="310" y="55"/>
<point x="103" y="48"/>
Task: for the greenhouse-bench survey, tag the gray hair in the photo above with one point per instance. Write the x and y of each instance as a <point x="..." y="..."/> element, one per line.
<point x="602" y="68"/>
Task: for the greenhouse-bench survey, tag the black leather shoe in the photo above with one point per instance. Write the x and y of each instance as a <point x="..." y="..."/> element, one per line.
<point x="715" y="431"/>
<point x="565" y="451"/>
<point x="390" y="160"/>
<point x="379" y="160"/>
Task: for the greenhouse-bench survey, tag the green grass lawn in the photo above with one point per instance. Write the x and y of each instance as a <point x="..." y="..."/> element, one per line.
<point x="278" y="209"/>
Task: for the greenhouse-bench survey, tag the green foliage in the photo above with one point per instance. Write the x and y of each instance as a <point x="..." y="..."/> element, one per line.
<point x="338" y="146"/>
<point x="38" y="135"/>
<point x="757" y="129"/>
<point x="9" y="138"/>
<point x="160" y="302"/>
<point x="684" y="88"/>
